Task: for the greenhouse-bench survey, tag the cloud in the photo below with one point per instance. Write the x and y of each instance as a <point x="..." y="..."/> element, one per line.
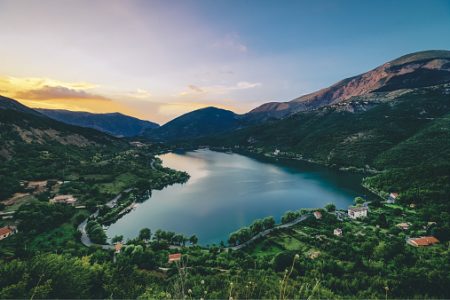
<point x="33" y="88"/>
<point x="230" y="42"/>
<point x="17" y="83"/>
<point x="243" y="85"/>
<point x="57" y="92"/>
<point x="139" y="94"/>
<point x="195" y="88"/>
<point x="218" y="89"/>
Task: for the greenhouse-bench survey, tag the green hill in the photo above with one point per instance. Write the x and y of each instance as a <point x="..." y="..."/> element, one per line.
<point x="407" y="131"/>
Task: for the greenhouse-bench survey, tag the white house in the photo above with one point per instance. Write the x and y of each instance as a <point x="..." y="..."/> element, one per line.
<point x="356" y="212"/>
<point x="392" y="197"/>
<point x="337" y="232"/>
<point x="276" y="152"/>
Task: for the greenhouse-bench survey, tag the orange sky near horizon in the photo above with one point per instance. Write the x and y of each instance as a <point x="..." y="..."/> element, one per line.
<point x="83" y="96"/>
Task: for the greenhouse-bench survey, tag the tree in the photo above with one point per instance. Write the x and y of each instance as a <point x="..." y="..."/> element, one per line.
<point x="330" y="207"/>
<point x="38" y="216"/>
<point x="268" y="222"/>
<point x="117" y="239"/>
<point x="193" y="239"/>
<point x="145" y="234"/>
<point x="158" y="235"/>
<point x="232" y="240"/>
<point x="359" y="200"/>
<point x="289" y="216"/>
<point x="95" y="232"/>
<point x="244" y="234"/>
<point x="177" y="239"/>
<point x="382" y="221"/>
<point x="256" y="227"/>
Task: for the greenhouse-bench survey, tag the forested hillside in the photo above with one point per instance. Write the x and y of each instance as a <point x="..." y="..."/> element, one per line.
<point x="407" y="133"/>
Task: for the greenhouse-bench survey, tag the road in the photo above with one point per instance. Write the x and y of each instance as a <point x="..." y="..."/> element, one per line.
<point x="82" y="227"/>
<point x="267" y="231"/>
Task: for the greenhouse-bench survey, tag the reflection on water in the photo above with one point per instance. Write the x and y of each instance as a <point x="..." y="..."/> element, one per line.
<point x="228" y="191"/>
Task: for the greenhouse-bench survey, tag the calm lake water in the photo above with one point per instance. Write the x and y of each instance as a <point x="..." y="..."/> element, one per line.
<point x="228" y="191"/>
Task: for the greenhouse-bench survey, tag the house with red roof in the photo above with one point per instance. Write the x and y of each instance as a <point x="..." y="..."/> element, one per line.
<point x="422" y="241"/>
<point x="7" y="231"/>
<point x="174" y="257"/>
<point x="318" y="215"/>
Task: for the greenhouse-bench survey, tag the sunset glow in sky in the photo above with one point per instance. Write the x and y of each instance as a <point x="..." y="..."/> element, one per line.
<point x="158" y="59"/>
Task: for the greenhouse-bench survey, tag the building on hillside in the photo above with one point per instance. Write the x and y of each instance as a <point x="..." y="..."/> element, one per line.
<point x="174" y="257"/>
<point x="422" y="241"/>
<point x="276" y="152"/>
<point x="392" y="197"/>
<point x="356" y="212"/>
<point x="317" y="214"/>
<point x="37" y="185"/>
<point x="337" y="232"/>
<point x="7" y="231"/>
<point x="403" y="226"/>
<point x="118" y="247"/>
<point x="65" y="199"/>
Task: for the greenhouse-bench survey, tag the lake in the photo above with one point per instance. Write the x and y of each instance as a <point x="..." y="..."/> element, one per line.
<point x="227" y="191"/>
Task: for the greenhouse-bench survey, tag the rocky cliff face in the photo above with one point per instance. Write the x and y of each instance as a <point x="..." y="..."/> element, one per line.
<point x="414" y="70"/>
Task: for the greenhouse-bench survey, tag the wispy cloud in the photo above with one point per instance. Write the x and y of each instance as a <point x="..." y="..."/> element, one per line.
<point x="139" y="94"/>
<point x="218" y="89"/>
<point x="230" y="42"/>
<point x="57" y="93"/>
<point x="195" y="88"/>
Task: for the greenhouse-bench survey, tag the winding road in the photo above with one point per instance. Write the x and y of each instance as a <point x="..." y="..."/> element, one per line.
<point x="267" y="231"/>
<point x="82" y="227"/>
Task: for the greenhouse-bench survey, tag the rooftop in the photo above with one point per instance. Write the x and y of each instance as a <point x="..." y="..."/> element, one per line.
<point x="5" y="230"/>
<point x="357" y="208"/>
<point x="424" y="240"/>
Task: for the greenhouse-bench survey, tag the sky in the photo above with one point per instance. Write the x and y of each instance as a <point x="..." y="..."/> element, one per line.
<point x="156" y="60"/>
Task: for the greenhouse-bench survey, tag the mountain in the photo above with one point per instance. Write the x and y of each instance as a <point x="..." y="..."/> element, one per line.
<point x="11" y="104"/>
<point x="195" y="124"/>
<point x="420" y="69"/>
<point x="23" y="129"/>
<point x="113" y="123"/>
<point x="404" y="139"/>
<point x="34" y="146"/>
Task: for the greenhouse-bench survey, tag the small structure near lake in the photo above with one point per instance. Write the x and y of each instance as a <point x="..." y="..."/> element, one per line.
<point x="317" y="215"/>
<point x="403" y="226"/>
<point x="337" y="232"/>
<point x="422" y="241"/>
<point x="392" y="197"/>
<point x="174" y="257"/>
<point x="118" y="247"/>
<point x="356" y="212"/>
<point x="65" y="199"/>
<point x="7" y="231"/>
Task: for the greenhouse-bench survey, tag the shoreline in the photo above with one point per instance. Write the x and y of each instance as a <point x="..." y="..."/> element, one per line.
<point x="267" y="158"/>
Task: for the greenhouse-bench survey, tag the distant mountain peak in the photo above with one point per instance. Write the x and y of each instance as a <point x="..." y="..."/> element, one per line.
<point x="198" y="123"/>
<point x="116" y="123"/>
<point x="8" y="103"/>
<point x="419" y="69"/>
